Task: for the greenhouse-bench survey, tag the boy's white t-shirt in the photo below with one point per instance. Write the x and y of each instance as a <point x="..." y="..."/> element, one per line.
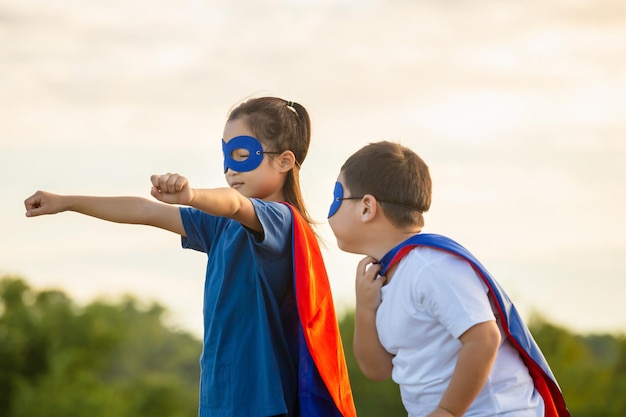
<point x="431" y="300"/>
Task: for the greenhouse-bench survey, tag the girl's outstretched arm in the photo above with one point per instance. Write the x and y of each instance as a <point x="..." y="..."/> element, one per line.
<point x="224" y="202"/>
<point x="131" y="210"/>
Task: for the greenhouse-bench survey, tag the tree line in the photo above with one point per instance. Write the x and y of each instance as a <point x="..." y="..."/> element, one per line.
<point x="120" y="358"/>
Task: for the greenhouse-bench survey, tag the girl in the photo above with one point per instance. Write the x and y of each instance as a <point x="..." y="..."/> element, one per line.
<point x="266" y="345"/>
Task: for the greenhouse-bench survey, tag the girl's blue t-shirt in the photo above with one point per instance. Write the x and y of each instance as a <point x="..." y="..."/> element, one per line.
<point x="246" y="367"/>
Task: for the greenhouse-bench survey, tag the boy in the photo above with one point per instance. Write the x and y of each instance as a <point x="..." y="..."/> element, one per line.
<point x="427" y="313"/>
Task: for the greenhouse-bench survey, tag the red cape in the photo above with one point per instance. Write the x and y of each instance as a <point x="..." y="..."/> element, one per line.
<point x="323" y="382"/>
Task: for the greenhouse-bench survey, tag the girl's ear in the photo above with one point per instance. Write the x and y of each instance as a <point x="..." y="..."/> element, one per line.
<point x="286" y="161"/>
<point x="368" y="208"/>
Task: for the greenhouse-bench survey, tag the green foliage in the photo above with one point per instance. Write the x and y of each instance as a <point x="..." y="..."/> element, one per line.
<point x="591" y="371"/>
<point x="119" y="359"/>
<point x="58" y="359"/>
<point x="371" y="398"/>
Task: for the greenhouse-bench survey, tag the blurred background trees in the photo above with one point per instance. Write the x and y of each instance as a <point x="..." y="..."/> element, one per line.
<point x="119" y="358"/>
<point x="590" y="369"/>
<point x="104" y="359"/>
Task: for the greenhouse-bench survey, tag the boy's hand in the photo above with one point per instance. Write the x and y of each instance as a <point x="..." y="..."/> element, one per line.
<point x="171" y="188"/>
<point x="368" y="284"/>
<point x="43" y="203"/>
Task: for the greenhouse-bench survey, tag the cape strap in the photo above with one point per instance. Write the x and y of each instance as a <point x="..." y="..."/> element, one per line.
<point x="323" y="349"/>
<point x="512" y="324"/>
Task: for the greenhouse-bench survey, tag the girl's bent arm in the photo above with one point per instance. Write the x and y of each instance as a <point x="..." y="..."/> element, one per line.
<point x="227" y="202"/>
<point x="224" y="202"/>
<point x="130" y="210"/>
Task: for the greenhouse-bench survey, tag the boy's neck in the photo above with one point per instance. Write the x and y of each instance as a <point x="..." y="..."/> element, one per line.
<point x="395" y="240"/>
<point x="390" y="241"/>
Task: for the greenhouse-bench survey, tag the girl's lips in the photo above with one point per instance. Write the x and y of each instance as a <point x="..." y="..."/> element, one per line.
<point x="236" y="185"/>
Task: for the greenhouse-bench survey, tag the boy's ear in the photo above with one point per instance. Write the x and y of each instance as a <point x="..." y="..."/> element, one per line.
<point x="368" y="208"/>
<point x="286" y="161"/>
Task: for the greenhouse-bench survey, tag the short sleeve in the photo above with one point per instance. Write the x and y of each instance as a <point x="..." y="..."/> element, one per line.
<point x="276" y="221"/>
<point x="200" y="229"/>
<point x="451" y="291"/>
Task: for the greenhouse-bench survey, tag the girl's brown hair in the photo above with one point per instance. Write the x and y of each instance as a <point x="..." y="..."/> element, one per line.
<point x="286" y="126"/>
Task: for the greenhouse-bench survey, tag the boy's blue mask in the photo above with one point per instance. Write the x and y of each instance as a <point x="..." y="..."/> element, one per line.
<point x="338" y="198"/>
<point x="252" y="145"/>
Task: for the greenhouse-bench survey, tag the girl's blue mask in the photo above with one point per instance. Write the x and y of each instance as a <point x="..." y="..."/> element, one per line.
<point x="255" y="153"/>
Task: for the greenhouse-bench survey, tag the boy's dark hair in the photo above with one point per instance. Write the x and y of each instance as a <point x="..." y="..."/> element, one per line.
<point x="282" y="125"/>
<point x="396" y="176"/>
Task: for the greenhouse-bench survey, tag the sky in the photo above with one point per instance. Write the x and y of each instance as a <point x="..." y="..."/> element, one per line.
<point x="518" y="108"/>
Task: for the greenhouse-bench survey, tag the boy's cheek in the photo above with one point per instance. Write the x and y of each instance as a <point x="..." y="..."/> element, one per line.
<point x="331" y="223"/>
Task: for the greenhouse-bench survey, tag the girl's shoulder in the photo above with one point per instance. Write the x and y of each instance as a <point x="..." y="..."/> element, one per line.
<point x="272" y="210"/>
